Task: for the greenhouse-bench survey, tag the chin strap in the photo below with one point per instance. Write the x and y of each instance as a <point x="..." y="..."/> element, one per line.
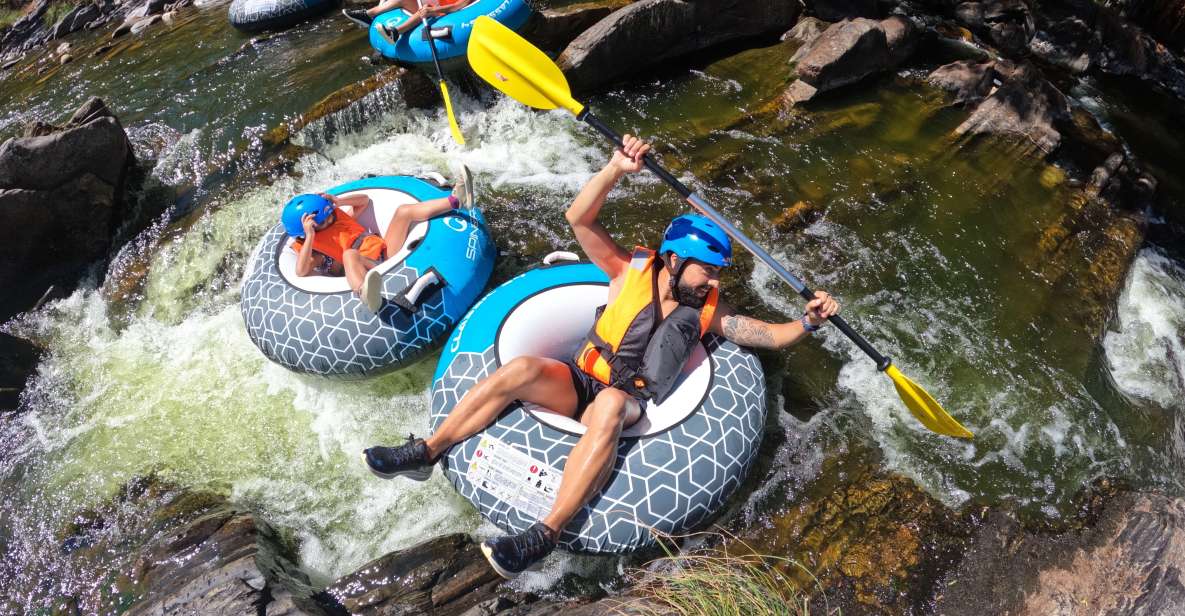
<point x="675" y="274"/>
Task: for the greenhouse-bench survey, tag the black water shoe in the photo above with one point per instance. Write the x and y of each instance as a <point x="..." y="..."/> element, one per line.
<point x="358" y="16"/>
<point x="407" y="460"/>
<point x="510" y="555"/>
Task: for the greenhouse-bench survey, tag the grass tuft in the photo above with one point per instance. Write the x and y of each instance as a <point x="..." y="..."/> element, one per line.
<point x="716" y="582"/>
<point x="8" y="17"/>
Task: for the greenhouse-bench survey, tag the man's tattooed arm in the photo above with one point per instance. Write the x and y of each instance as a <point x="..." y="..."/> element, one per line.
<point x="748" y="332"/>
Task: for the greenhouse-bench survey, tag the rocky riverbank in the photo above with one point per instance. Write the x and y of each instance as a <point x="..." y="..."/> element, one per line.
<point x="871" y="541"/>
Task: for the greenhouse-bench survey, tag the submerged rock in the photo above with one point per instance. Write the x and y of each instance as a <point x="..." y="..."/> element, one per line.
<point x="61" y="201"/>
<point x="849" y="51"/>
<point x="649" y="32"/>
<point x="872" y="541"/>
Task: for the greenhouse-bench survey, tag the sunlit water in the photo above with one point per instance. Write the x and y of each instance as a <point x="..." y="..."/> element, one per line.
<point x="929" y="247"/>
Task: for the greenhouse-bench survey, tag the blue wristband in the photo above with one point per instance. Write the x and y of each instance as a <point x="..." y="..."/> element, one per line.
<point x="807" y="327"/>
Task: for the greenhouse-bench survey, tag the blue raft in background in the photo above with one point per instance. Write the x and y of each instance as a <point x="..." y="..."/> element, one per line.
<point x="413" y="48"/>
<point x="315" y="324"/>
<point x="256" y="15"/>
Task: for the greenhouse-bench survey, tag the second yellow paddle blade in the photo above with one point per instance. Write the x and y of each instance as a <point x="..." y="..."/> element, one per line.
<point x="924" y="407"/>
<point x="517" y="68"/>
<point x="452" y="119"/>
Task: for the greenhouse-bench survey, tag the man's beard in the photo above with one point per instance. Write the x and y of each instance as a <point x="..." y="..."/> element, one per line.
<point x="692" y="297"/>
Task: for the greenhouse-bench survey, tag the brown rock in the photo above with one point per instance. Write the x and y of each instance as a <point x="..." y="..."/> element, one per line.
<point x="555" y="29"/>
<point x="798" y="216"/>
<point x="805" y="33"/>
<point x="849" y="51"/>
<point x="61" y="199"/>
<point x="1024" y="109"/>
<point x="649" y="32"/>
<point x="448" y="570"/>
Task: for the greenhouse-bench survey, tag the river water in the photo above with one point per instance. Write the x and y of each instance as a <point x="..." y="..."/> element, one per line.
<point x="929" y="243"/>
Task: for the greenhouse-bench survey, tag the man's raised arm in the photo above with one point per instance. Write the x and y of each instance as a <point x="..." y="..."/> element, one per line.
<point x="582" y="214"/>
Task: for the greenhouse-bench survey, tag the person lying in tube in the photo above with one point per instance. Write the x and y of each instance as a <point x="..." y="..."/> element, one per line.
<point x="331" y="242"/>
<point x="418" y="9"/>
<point x="604" y="389"/>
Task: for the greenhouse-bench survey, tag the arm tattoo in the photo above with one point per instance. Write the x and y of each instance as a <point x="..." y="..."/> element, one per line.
<point x="747" y="332"/>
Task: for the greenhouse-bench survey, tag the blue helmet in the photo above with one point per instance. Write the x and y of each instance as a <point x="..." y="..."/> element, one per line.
<point x="299" y="206"/>
<point x="692" y="236"/>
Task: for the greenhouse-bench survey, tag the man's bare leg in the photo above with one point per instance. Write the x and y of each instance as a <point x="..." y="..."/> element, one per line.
<point x="586" y="470"/>
<point x="591" y="460"/>
<point x="543" y="381"/>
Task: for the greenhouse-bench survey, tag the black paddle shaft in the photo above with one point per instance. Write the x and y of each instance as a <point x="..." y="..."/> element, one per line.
<point x="432" y="46"/>
<point x="882" y="362"/>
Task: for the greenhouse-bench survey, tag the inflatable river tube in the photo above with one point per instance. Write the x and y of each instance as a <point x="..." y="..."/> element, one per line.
<point x="675" y="468"/>
<point x="453" y="31"/>
<point x="315" y="324"/>
<point x="256" y="15"/>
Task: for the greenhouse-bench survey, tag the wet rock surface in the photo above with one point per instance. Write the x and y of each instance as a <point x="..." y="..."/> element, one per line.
<point x="155" y="549"/>
<point x="1025" y="108"/>
<point x="554" y="29"/>
<point x="1129" y="560"/>
<point x="649" y="32"/>
<point x="443" y="575"/>
<point x="867" y="541"/>
<point x="61" y="201"/>
<point x="18" y="361"/>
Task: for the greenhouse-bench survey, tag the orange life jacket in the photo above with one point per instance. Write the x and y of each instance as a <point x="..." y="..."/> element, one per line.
<point x="334" y="240"/>
<point x="617" y="341"/>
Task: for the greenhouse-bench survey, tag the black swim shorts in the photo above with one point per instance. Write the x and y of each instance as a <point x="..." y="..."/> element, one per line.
<point x="587" y="387"/>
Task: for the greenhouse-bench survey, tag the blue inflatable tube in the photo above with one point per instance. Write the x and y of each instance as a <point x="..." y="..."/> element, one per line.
<point x="315" y="324"/>
<point x="412" y="47"/>
<point x="675" y="468"/>
<point x="256" y="15"/>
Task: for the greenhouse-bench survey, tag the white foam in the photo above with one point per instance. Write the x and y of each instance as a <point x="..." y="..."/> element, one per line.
<point x="1145" y="350"/>
<point x="1026" y="414"/>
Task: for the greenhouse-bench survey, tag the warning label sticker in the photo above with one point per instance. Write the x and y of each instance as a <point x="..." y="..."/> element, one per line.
<point x="514" y="477"/>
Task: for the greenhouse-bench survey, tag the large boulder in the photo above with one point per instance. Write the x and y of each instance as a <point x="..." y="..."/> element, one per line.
<point x="556" y="28"/>
<point x="61" y="200"/>
<point x="649" y="32"/>
<point x="849" y="51"/>
<point x="1025" y="109"/>
<point x="78" y="18"/>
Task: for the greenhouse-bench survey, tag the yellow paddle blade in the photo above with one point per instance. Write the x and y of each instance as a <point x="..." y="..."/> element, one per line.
<point x="925" y="407"/>
<point x="517" y="68"/>
<point x="452" y="119"/>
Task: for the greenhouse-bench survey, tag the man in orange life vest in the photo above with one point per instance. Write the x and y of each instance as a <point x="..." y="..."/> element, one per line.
<point x="607" y="384"/>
